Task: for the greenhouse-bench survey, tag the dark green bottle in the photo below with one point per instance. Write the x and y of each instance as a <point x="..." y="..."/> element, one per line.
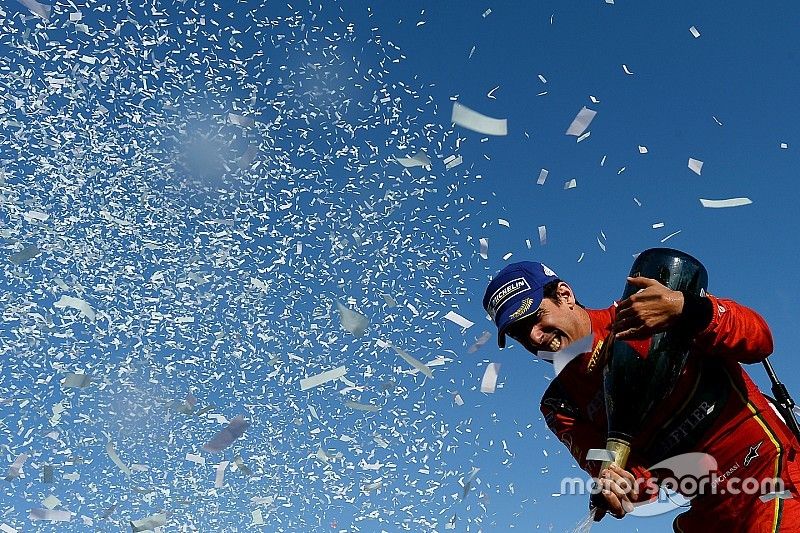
<point x="640" y="374"/>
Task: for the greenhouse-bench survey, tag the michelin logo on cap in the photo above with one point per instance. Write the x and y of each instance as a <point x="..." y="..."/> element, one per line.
<point x="502" y="295"/>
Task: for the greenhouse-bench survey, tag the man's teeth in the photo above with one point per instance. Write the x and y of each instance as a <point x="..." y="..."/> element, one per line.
<point x="555" y="344"/>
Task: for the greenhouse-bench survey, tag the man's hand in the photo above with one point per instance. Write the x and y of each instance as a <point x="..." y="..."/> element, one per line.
<point x="651" y="310"/>
<point x="619" y="490"/>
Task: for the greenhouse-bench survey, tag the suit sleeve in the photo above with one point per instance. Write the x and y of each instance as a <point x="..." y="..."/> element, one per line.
<point x="578" y="436"/>
<point x="735" y="332"/>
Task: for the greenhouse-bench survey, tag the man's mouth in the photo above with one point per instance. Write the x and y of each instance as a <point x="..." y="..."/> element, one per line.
<point x="555" y="342"/>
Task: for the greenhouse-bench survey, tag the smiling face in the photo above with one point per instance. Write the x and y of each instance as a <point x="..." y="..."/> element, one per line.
<point x="555" y="324"/>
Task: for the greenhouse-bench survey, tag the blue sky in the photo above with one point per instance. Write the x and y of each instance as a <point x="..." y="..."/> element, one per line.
<point x="211" y="248"/>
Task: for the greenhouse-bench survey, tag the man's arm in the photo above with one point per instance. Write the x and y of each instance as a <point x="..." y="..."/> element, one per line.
<point x="621" y="488"/>
<point x="717" y="326"/>
<point x="734" y="331"/>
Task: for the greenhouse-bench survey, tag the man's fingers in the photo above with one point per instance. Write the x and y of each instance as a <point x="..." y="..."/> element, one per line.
<point x="641" y="281"/>
<point x="599" y="513"/>
<point x="613" y="503"/>
<point x="629" y="479"/>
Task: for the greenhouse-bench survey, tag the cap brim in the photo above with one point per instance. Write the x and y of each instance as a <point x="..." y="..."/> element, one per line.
<point x="501" y="335"/>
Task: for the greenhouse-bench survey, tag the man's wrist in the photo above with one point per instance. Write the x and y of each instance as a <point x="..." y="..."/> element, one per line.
<point x="696" y="314"/>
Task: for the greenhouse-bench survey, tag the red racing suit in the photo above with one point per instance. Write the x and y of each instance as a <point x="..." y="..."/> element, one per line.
<point x="715" y="408"/>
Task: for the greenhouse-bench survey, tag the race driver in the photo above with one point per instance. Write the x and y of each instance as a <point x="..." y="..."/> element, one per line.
<point x="715" y="408"/>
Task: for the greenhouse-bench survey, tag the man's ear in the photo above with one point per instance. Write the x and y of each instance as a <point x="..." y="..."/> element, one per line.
<point x="565" y="294"/>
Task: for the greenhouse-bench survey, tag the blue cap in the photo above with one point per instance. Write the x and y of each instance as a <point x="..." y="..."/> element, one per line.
<point x="515" y="293"/>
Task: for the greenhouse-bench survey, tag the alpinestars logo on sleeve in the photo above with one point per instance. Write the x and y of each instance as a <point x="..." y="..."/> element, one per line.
<point x="752" y="453"/>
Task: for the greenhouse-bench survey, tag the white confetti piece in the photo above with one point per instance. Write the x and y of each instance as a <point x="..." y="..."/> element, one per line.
<point x="583" y="137"/>
<point x="77" y="380"/>
<point x="452" y="161"/>
<point x="784" y="146"/>
<point x="571" y="184"/>
<point x="454" y="317"/>
<point x="50" y="515"/>
<point x="5" y="528"/>
<point x="419" y="159"/>
<point x="542" y="79"/>
<point x="16" y="467"/>
<point x="489" y="380"/>
<point x="507" y="256"/>
<point x="542" y="177"/>
<point x="150" y="522"/>
<point x="484" y="251"/>
<point x="115" y="458"/>
<point x="658" y="225"/>
<point x="413" y="361"/>
<point x="695" y="33"/>
<point x="695" y="165"/>
<point x="33" y="215"/>
<point x="728" y="202"/>
<point x="219" y="478"/>
<point x="491" y="93"/>
<point x="51" y="502"/>
<point x="503" y="222"/>
<point x="479" y="342"/>
<point x="542" y="235"/>
<point x="457" y="399"/>
<point x="41" y="10"/>
<point x="627" y="70"/>
<point x="581" y="122"/>
<point x="671" y="235"/>
<point x="241" y="120"/>
<point x="562" y="358"/>
<point x="352" y="321"/>
<point x="196" y="459"/>
<point x="362" y="406"/>
<point x="76" y="303"/>
<point x="600" y="454"/>
<point x="642" y="149"/>
<point x="472" y="120"/>
<point x="784" y="495"/>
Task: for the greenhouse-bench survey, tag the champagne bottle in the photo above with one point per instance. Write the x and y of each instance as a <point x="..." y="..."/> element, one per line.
<point x="640" y="374"/>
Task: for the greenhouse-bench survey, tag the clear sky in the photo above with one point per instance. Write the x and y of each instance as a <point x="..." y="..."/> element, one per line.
<point x="188" y="188"/>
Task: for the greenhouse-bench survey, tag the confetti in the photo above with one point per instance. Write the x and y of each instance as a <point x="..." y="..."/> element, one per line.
<point x="695" y="165"/>
<point x="352" y="321"/>
<point x="150" y="522"/>
<point x="695" y="33"/>
<point x="484" y="250"/>
<point x="16" y="467"/>
<point x="489" y="380"/>
<point x="729" y="202"/>
<point x="454" y="317"/>
<point x="542" y="177"/>
<point x="581" y="122"/>
<point x="51" y="515"/>
<point x="112" y="453"/>
<point x="472" y="120"/>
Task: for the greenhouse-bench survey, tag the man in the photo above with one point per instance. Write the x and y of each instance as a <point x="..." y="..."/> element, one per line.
<point x="714" y="408"/>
